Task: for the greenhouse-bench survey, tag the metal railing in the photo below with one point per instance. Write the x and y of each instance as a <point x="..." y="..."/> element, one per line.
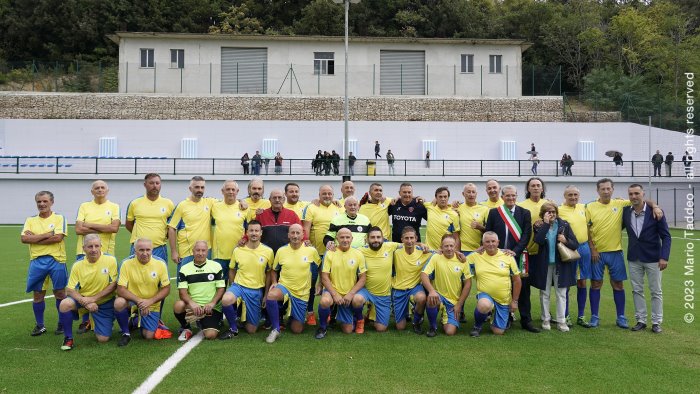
<point x="362" y="167"/>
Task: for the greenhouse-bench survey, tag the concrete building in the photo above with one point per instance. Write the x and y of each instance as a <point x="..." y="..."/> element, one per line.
<point x="314" y="65"/>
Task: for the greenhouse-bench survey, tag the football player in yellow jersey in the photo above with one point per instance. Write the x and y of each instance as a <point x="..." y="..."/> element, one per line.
<point x="45" y="233"/>
<point x="347" y="189"/>
<point x="534" y="199"/>
<point x="190" y="222"/>
<point x="143" y="282"/>
<point x="449" y="287"/>
<point x="92" y="285"/>
<point x="409" y="261"/>
<point x="291" y="277"/>
<point x="605" y="240"/>
<point x="472" y="218"/>
<point x="493" y="189"/>
<point x="497" y="284"/>
<point x="379" y="258"/>
<point x="147" y="217"/>
<point x="255" y="201"/>
<point x="344" y="274"/>
<point x="376" y="207"/>
<point x="291" y="193"/>
<point x="228" y="223"/>
<point x="442" y="219"/>
<point x="575" y="214"/>
<point x="249" y="275"/>
<point x="99" y="216"/>
<point x="316" y="221"/>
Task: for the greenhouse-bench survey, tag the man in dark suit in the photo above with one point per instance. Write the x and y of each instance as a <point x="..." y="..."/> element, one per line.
<point x="648" y="250"/>
<point x="513" y="226"/>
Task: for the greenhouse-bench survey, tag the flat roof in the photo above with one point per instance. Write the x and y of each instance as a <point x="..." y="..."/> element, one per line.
<point x="116" y="37"/>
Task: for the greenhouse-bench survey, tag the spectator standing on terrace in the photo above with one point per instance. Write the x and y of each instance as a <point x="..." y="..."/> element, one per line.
<point x="657" y="160"/>
<point x="245" y="163"/>
<point x="377" y="149"/>
<point x="669" y="163"/>
<point x="257" y="161"/>
<point x="278" y="163"/>
<point x="390" y="161"/>
<point x="351" y="163"/>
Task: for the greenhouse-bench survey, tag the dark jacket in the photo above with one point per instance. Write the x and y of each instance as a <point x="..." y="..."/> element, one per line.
<point x="275" y="231"/>
<point x="497" y="225"/>
<point x="540" y="262"/>
<point x="654" y="241"/>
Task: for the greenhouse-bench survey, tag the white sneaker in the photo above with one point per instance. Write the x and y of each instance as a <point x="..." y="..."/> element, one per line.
<point x="185" y="335"/>
<point x="563" y="327"/>
<point x="546" y="325"/>
<point x="272" y="337"/>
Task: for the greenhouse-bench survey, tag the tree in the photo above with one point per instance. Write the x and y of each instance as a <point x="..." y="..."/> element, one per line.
<point x="632" y="37"/>
<point x="237" y="21"/>
<point x="575" y="35"/>
<point x="321" y="17"/>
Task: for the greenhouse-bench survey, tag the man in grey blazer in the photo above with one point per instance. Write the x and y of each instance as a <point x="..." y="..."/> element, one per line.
<point x="648" y="251"/>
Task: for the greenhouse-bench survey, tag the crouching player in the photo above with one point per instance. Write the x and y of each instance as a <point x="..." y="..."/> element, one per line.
<point x="249" y="275"/>
<point x="143" y="281"/>
<point x="343" y="275"/>
<point x="494" y="271"/>
<point x="91" y="287"/>
<point x="451" y="279"/>
<point x="293" y="268"/>
<point x="408" y="264"/>
<point x="201" y="286"/>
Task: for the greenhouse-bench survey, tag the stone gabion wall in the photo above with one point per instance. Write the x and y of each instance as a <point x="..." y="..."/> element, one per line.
<point x="593" y="116"/>
<point x="147" y="106"/>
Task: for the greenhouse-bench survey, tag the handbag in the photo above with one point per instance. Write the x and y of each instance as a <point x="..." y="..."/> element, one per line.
<point x="567" y="255"/>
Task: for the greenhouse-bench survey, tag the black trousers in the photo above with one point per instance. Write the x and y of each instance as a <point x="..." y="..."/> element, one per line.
<point x="524" y="305"/>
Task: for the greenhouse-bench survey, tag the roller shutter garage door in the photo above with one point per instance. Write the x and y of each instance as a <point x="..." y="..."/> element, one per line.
<point x="402" y="72"/>
<point x="244" y="70"/>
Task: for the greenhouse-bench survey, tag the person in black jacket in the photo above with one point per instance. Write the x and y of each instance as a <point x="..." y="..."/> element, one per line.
<point x="547" y="269"/>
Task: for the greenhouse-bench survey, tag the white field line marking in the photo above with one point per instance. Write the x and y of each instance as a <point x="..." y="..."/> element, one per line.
<point x="168" y="365"/>
<point x="21" y="301"/>
<point x="31" y="299"/>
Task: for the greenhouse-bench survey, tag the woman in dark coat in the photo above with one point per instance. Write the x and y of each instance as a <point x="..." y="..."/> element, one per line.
<point x="547" y="270"/>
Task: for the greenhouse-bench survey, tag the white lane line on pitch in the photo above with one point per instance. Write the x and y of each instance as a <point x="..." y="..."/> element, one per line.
<point x="21" y="301"/>
<point x="168" y="365"/>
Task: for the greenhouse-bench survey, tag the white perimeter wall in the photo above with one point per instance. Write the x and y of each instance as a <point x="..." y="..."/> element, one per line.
<point x="301" y="139"/>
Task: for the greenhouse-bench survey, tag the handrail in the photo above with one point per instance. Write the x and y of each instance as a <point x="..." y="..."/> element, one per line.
<point x="291" y="167"/>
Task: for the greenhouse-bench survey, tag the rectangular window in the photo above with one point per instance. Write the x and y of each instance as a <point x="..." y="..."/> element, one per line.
<point x="495" y="64"/>
<point x="467" y="64"/>
<point x="324" y="63"/>
<point x="147" y="58"/>
<point x="177" y="58"/>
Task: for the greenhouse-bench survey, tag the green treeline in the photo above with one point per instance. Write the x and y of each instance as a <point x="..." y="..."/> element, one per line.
<point x="611" y="52"/>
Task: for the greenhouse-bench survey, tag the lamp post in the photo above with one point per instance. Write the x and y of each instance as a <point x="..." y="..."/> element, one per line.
<point x="346" y="138"/>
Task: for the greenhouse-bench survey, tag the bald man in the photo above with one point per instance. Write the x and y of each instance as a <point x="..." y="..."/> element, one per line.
<point x="99" y="216"/>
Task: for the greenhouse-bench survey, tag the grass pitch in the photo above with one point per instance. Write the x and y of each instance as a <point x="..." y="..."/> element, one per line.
<point x="592" y="360"/>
